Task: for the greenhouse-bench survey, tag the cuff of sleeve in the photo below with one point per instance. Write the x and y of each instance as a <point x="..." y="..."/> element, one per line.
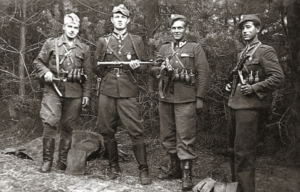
<point x="86" y="95"/>
<point x="255" y="88"/>
<point x="42" y="73"/>
<point x="202" y="95"/>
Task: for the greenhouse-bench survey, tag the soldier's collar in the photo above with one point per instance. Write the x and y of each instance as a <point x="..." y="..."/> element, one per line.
<point x="251" y="46"/>
<point x="179" y="44"/>
<point x="62" y="40"/>
<point x="120" y="36"/>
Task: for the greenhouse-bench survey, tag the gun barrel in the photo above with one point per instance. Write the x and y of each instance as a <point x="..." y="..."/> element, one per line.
<point x="122" y="63"/>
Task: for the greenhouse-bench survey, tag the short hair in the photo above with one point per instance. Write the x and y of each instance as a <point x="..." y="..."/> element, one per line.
<point x="183" y="20"/>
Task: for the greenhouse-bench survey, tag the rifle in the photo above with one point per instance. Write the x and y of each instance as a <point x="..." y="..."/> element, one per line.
<point x="237" y="72"/>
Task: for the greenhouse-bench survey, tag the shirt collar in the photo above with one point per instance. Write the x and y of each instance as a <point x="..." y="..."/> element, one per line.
<point x="179" y="44"/>
<point x="120" y="36"/>
<point x="62" y="40"/>
<point x="251" y="46"/>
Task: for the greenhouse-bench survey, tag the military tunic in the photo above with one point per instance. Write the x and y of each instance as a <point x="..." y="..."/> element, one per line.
<point x="247" y="113"/>
<point x="119" y="91"/>
<point x="177" y="109"/>
<point x="65" y="109"/>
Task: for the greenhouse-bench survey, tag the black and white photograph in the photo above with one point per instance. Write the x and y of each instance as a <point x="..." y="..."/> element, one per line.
<point x="150" y="95"/>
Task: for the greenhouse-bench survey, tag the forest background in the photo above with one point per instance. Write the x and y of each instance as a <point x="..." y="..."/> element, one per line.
<point x="26" y="24"/>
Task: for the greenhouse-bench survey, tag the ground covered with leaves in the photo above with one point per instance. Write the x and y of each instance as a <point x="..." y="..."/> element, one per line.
<point x="19" y="174"/>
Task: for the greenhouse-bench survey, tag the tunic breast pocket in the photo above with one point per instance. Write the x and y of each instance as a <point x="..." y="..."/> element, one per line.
<point x="79" y="59"/>
<point x="253" y="65"/>
<point x="187" y="59"/>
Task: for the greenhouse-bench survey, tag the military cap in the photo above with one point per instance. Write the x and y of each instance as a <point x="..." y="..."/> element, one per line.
<point x="71" y="18"/>
<point x="175" y="17"/>
<point x="122" y="9"/>
<point x="250" y="17"/>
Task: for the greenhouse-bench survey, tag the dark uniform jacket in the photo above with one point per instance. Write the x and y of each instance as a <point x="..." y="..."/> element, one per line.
<point x="114" y="47"/>
<point x="80" y="54"/>
<point x="193" y="58"/>
<point x="265" y="62"/>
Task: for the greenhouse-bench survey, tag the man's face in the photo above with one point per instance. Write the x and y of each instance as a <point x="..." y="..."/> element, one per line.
<point x="178" y="30"/>
<point x="119" y="21"/>
<point x="71" y="30"/>
<point x="249" y="31"/>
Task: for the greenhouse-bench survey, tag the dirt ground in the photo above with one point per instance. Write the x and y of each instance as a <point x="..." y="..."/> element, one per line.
<point x="17" y="174"/>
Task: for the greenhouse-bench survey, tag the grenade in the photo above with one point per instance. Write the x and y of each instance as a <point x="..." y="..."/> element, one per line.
<point x="176" y="75"/>
<point x="182" y="75"/>
<point x="75" y="75"/>
<point x="192" y="76"/>
<point x="251" y="79"/>
<point x="78" y="76"/>
<point x="256" y="80"/>
<point x="187" y="77"/>
<point x="70" y="76"/>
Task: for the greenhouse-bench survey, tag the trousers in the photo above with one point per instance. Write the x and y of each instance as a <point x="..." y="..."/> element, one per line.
<point x="110" y="110"/>
<point x="242" y="142"/>
<point x="57" y="111"/>
<point x="178" y="128"/>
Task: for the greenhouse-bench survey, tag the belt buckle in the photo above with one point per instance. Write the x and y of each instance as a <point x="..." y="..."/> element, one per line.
<point x="116" y="71"/>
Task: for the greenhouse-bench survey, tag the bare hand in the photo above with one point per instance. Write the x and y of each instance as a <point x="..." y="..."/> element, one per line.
<point x="85" y="101"/>
<point x="246" y="89"/>
<point x="134" y="64"/>
<point x="228" y="87"/>
<point x="48" y="77"/>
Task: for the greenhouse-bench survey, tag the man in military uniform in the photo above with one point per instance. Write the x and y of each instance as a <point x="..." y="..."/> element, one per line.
<point x="64" y="64"/>
<point x="255" y="77"/>
<point x="119" y="92"/>
<point x="184" y="80"/>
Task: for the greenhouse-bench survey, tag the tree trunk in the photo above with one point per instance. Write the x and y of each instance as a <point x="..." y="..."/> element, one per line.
<point x="293" y="26"/>
<point x="22" y="50"/>
<point x="152" y="11"/>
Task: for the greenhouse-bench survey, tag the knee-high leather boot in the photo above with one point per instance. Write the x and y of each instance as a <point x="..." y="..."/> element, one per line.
<point x="64" y="147"/>
<point x="112" y="151"/>
<point x="139" y="150"/>
<point x="48" y="151"/>
<point x="187" y="183"/>
<point x="174" y="171"/>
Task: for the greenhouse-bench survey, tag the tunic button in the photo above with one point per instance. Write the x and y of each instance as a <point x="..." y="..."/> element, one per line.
<point x="119" y="45"/>
<point x="120" y="41"/>
<point x="119" y="53"/>
<point x="176" y="61"/>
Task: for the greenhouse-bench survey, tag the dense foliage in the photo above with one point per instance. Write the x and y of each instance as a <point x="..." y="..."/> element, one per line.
<point x="212" y="23"/>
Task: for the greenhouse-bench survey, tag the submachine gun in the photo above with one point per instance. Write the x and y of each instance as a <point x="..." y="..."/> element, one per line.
<point x="236" y="74"/>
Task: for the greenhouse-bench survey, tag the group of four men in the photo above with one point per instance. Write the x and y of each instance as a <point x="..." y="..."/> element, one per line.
<point x="184" y="76"/>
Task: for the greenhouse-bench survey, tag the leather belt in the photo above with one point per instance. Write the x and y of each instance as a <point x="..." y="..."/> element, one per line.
<point x="117" y="71"/>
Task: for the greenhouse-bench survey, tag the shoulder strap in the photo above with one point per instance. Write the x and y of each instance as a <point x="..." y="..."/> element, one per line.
<point x="105" y="47"/>
<point x="137" y="53"/>
<point x="56" y="57"/>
